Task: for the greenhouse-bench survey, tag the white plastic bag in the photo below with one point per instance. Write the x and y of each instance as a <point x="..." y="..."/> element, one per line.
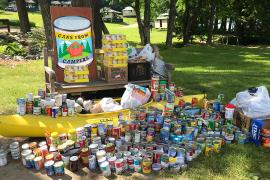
<point x="147" y="53"/>
<point x="109" y="105"/>
<point x="255" y="105"/>
<point x="134" y="96"/>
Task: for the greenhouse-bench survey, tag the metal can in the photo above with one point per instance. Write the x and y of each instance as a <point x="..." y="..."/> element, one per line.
<point x="30" y="161"/>
<point x="49" y="168"/>
<point x="38" y="163"/>
<point x="146" y="166"/>
<point x="42" y="93"/>
<point x="73" y="163"/>
<point x="92" y="162"/>
<point x="55" y="112"/>
<point x="58" y="100"/>
<point x="105" y="169"/>
<point x="21" y="106"/>
<point x="59" y="168"/>
<point x="112" y="162"/>
<point x="24" y="154"/>
<point x="164" y="161"/>
<point x="155" y="82"/>
<point x="87" y="130"/>
<point x="119" y="166"/>
<point x="37" y="101"/>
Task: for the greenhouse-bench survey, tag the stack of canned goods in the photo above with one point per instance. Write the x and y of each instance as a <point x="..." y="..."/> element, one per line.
<point x="15" y="150"/>
<point x="3" y="157"/>
<point x="50" y="104"/>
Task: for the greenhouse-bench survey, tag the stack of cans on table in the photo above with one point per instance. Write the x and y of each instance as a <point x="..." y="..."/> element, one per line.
<point x="50" y="104"/>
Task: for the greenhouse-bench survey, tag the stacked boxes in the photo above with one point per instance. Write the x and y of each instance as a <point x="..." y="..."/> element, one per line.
<point x="115" y="58"/>
<point x="76" y="74"/>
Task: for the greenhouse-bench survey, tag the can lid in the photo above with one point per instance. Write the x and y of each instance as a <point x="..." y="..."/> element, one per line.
<point x="38" y="158"/>
<point x="104" y="164"/>
<point x="14" y="145"/>
<point x="102" y="159"/>
<point x="101" y="153"/>
<point x="30" y="157"/>
<point x="49" y="163"/>
<point x="42" y="143"/>
<point x="87" y="125"/>
<point x="93" y="146"/>
<point x="26" y="152"/>
<point x="74" y="158"/>
<point x="25" y="146"/>
<point x="49" y="156"/>
<point x="58" y="164"/>
<point x="112" y="158"/>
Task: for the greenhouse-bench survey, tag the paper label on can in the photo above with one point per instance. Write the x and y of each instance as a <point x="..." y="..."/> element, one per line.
<point x="74" y="43"/>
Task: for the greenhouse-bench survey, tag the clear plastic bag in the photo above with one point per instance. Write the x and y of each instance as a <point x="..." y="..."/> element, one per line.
<point x="134" y="96"/>
<point x="254" y="105"/>
<point x="147" y="53"/>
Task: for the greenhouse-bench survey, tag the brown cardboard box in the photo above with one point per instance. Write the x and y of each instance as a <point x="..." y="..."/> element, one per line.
<point x="240" y="120"/>
<point x="116" y="74"/>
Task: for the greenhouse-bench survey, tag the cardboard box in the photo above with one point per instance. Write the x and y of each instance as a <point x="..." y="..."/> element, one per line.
<point x="241" y="121"/>
<point x="116" y="74"/>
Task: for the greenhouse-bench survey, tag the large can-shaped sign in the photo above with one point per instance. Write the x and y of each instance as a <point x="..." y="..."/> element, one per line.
<point x="73" y="41"/>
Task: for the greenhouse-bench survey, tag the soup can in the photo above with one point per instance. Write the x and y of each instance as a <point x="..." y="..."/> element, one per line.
<point x="49" y="168"/>
<point x="119" y="166"/>
<point x="73" y="163"/>
<point x="24" y="154"/>
<point x="59" y="168"/>
<point x="30" y="161"/>
<point x="105" y="169"/>
<point x="146" y="166"/>
<point x="92" y="162"/>
<point x="38" y="161"/>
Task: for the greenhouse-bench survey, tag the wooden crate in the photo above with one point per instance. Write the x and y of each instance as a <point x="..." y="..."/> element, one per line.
<point x="116" y="74"/>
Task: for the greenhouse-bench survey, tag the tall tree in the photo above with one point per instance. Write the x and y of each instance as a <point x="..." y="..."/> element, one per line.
<point x="170" y="27"/>
<point x="23" y="16"/>
<point x="190" y="15"/>
<point x="147" y="14"/>
<point x="98" y="24"/>
<point x="143" y="25"/>
<point x="211" y="21"/>
<point x="46" y="17"/>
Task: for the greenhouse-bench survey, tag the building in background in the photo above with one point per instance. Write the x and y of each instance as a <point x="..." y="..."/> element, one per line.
<point x="128" y="12"/>
<point x="110" y="15"/>
<point x="161" y="21"/>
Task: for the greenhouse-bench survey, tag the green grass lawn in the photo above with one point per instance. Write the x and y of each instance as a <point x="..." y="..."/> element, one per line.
<point x="214" y="69"/>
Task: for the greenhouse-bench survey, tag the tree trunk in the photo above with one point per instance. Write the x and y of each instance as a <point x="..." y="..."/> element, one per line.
<point x="191" y="20"/>
<point x="98" y="26"/>
<point x="211" y="21"/>
<point x="216" y="23"/>
<point x="186" y="18"/>
<point x="223" y="25"/>
<point x="147" y="21"/>
<point x="46" y="16"/>
<point x="230" y="25"/>
<point x="97" y="19"/>
<point x="104" y="28"/>
<point x="23" y="16"/>
<point x="139" y="21"/>
<point x="170" y="27"/>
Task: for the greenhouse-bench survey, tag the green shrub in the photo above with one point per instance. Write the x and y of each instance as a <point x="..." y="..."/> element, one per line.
<point x="15" y="49"/>
<point x="37" y="40"/>
<point x="16" y="23"/>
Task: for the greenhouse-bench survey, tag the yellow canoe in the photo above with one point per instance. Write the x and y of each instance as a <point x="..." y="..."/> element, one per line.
<point x="35" y="126"/>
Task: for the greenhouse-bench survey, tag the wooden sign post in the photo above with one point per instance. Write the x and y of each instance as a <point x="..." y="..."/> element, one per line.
<point x="73" y="38"/>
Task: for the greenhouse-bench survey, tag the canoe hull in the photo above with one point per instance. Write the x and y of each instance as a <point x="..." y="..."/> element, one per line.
<point x="35" y="126"/>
